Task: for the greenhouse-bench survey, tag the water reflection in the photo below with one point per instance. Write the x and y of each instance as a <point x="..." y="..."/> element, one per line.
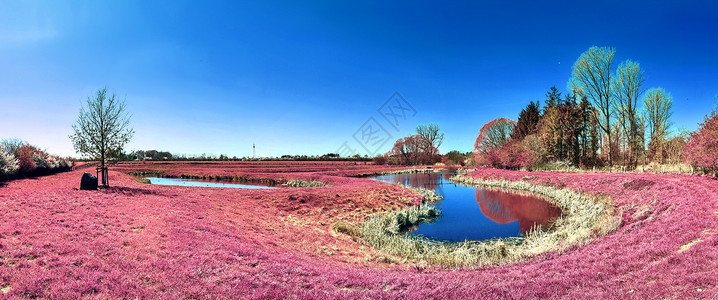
<point x="505" y="207"/>
<point x="498" y="213"/>
<point x="426" y="180"/>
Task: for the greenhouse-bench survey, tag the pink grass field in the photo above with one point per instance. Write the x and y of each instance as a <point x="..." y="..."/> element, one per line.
<point x="136" y="240"/>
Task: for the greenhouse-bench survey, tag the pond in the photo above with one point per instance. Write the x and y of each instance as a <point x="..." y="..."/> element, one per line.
<point x="206" y="183"/>
<point x="471" y="213"/>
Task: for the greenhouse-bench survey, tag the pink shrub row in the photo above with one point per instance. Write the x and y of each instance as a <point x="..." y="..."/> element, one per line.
<point x="29" y="160"/>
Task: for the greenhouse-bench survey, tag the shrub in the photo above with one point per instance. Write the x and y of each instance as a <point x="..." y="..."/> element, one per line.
<point x="526" y="153"/>
<point x="533" y="151"/>
<point x="66" y="163"/>
<point x="53" y="162"/>
<point x="25" y="156"/>
<point x="11" y="145"/>
<point x="379" y="160"/>
<point x="41" y="160"/>
<point x="9" y="165"/>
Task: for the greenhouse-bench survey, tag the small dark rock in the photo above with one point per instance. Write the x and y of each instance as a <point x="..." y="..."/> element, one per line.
<point x="88" y="182"/>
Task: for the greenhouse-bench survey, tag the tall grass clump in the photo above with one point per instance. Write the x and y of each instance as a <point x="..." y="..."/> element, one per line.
<point x="428" y="194"/>
<point x="304" y="183"/>
<point x="585" y="217"/>
<point x="384" y="231"/>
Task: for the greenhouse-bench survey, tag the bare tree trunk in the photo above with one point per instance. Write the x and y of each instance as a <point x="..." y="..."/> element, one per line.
<point x="103" y="170"/>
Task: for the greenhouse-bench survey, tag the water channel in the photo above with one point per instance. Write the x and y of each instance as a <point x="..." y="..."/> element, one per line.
<point x="206" y="183"/>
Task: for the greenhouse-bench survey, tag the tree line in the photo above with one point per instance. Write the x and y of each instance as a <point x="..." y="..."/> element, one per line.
<point x="606" y="119"/>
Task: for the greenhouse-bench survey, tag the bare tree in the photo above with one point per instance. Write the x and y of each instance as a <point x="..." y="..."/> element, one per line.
<point x="657" y="104"/>
<point x="675" y="146"/>
<point x="102" y="127"/>
<point x="591" y="77"/>
<point x="626" y="89"/>
<point x="431" y="133"/>
<point x="657" y="108"/>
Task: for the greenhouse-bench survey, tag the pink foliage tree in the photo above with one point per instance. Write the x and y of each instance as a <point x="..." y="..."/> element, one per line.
<point x="511" y="154"/>
<point x="413" y="150"/>
<point x="702" y="148"/>
<point x="520" y="154"/>
<point x="491" y="139"/>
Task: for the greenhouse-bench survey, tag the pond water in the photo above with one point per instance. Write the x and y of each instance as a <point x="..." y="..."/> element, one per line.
<point x="206" y="183"/>
<point x="471" y="213"/>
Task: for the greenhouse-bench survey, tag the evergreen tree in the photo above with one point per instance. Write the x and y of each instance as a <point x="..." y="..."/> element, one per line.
<point x="570" y="118"/>
<point x="528" y="121"/>
<point x="553" y="96"/>
<point x="550" y="124"/>
<point x="586" y="143"/>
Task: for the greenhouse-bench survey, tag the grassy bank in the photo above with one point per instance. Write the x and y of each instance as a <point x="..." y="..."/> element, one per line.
<point x="429" y="195"/>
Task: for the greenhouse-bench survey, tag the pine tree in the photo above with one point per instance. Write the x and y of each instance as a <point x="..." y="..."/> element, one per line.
<point x="528" y="121"/>
<point x="550" y="124"/>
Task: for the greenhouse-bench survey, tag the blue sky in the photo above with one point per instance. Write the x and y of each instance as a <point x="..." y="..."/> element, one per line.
<point x="215" y="77"/>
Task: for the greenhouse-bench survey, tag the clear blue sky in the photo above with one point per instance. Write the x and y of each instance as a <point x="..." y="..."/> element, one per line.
<point x="215" y="77"/>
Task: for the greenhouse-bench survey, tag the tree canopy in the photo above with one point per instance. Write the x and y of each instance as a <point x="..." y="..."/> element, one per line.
<point x="591" y="77"/>
<point x="431" y="133"/>
<point x="493" y="136"/>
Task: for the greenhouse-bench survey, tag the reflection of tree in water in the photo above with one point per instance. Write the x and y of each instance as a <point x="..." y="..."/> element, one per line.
<point x="493" y="208"/>
<point x="504" y="207"/>
<point x="425" y="180"/>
